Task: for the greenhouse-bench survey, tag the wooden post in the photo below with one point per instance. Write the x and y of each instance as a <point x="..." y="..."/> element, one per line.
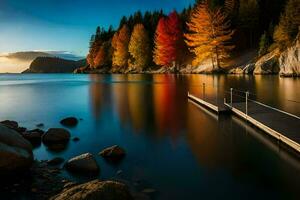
<point x="203" y="91"/>
<point x="247" y="94"/>
<point x="231" y="90"/>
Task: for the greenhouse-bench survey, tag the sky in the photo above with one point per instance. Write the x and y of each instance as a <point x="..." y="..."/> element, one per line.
<point x="65" y="25"/>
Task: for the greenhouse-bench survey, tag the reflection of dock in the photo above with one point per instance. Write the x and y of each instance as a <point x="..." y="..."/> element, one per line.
<point x="282" y="126"/>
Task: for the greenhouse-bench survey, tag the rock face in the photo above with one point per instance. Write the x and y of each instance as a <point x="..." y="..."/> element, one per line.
<point x="15" y="151"/>
<point x="69" y="121"/>
<point x="268" y="64"/>
<point x="96" y="190"/>
<point x="289" y="60"/>
<point x="114" y="153"/>
<point x="56" y="135"/>
<point x="83" y="164"/>
<point x="247" y="69"/>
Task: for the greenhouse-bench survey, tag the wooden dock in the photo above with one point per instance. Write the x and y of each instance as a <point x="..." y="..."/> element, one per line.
<point x="210" y="105"/>
<point x="282" y="126"/>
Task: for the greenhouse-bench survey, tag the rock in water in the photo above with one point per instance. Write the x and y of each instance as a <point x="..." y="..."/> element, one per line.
<point x="83" y="164"/>
<point x="15" y="151"/>
<point x="69" y="121"/>
<point x="56" y="136"/>
<point x="33" y="136"/>
<point x="114" y="153"/>
<point x="10" y="124"/>
<point x="94" y="190"/>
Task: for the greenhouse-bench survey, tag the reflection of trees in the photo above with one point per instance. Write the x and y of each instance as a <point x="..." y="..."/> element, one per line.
<point x="99" y="95"/>
<point x="169" y="105"/>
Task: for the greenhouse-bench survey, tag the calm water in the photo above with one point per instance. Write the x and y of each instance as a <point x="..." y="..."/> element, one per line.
<point x="183" y="151"/>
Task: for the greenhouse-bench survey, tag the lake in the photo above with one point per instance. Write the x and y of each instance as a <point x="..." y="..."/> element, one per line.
<point x="173" y="146"/>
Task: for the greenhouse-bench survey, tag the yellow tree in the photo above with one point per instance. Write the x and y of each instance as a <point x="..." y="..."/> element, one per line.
<point x="120" y="45"/>
<point x="209" y="35"/>
<point x="139" y="47"/>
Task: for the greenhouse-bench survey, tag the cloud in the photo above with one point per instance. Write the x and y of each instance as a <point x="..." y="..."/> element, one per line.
<point x="31" y="55"/>
<point x="18" y="61"/>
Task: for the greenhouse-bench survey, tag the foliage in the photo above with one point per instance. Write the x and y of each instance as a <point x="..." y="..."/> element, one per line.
<point x="168" y="40"/>
<point x="103" y="57"/>
<point x="120" y="45"/>
<point x="209" y="35"/>
<point x="288" y="27"/>
<point x="139" y="47"/>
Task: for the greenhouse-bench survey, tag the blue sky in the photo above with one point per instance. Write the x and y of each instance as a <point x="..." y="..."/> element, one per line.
<point x="65" y="25"/>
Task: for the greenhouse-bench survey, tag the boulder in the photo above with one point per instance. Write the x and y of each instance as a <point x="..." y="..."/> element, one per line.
<point x="33" y="136"/>
<point x="10" y="124"/>
<point x="15" y="152"/>
<point x="56" y="136"/>
<point x="268" y="64"/>
<point x="113" y="153"/>
<point x="85" y="164"/>
<point x="289" y="60"/>
<point x="94" y="190"/>
<point x="69" y="121"/>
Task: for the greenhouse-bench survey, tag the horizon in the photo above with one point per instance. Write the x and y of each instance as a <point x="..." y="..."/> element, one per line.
<point x="63" y="25"/>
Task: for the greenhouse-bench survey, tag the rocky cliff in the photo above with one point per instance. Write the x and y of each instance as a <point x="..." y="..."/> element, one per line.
<point x="289" y="60"/>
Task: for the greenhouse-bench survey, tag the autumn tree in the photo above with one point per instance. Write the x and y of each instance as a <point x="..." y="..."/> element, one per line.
<point x="209" y="35"/>
<point x="139" y="47"/>
<point x="103" y="57"/>
<point x="168" y="40"/>
<point x="120" y="43"/>
<point x="96" y="42"/>
<point x="288" y="27"/>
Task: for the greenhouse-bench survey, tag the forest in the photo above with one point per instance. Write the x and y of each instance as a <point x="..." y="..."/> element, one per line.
<point x="210" y="31"/>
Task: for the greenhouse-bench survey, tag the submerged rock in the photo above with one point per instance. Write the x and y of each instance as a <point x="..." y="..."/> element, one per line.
<point x="83" y="164"/>
<point x="15" y="152"/>
<point x="69" y="121"/>
<point x="93" y="190"/>
<point x="55" y="161"/>
<point x="56" y="136"/>
<point x="76" y="139"/>
<point x="114" y="153"/>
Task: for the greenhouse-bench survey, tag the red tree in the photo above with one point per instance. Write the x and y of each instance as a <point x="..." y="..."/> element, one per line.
<point x="168" y="40"/>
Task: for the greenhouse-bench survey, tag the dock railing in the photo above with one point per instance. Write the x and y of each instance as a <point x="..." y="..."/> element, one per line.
<point x="280" y="124"/>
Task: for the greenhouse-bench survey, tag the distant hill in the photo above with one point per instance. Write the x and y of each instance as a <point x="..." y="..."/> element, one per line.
<point x="54" y="65"/>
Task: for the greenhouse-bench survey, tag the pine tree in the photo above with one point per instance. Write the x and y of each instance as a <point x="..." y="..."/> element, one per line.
<point x="209" y="35"/>
<point x="249" y="20"/>
<point x="139" y="47"/>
